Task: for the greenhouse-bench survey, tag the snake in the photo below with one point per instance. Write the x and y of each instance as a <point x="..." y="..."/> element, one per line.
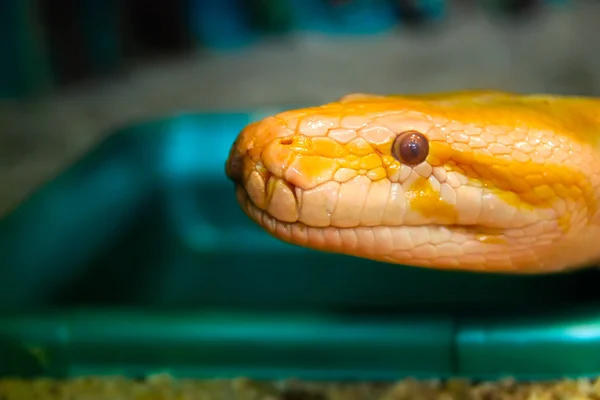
<point x="483" y="181"/>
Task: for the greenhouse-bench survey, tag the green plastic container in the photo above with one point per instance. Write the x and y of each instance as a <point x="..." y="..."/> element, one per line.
<point x="137" y="259"/>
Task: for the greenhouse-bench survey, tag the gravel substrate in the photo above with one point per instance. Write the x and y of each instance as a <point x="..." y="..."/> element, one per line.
<point x="165" y="387"/>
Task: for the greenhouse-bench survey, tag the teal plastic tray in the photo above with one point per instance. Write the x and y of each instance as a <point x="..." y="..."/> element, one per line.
<point x="137" y="259"/>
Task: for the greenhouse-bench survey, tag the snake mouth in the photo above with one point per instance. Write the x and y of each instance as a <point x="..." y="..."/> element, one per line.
<point x="409" y="245"/>
<point x="270" y="201"/>
<point x="451" y="247"/>
<point x="267" y="220"/>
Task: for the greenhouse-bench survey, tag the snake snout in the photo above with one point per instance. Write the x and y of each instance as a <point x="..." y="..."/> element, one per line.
<point x="233" y="167"/>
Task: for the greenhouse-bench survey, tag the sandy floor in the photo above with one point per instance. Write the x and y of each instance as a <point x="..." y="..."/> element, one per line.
<point x="555" y="52"/>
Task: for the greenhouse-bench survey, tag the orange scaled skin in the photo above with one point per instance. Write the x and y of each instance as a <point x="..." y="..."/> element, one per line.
<point x="511" y="182"/>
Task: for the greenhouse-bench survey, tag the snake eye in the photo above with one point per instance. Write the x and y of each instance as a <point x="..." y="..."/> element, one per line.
<point x="410" y="148"/>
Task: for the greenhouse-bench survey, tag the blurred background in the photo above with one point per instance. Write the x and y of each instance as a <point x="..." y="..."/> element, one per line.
<point x="73" y="70"/>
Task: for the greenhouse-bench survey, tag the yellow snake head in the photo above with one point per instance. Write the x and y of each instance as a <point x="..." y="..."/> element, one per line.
<point x="480" y="181"/>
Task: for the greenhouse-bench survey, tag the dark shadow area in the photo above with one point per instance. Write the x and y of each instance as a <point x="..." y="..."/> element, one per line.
<point x="157" y="27"/>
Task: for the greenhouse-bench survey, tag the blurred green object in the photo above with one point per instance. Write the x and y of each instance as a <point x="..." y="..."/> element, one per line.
<point x="226" y="344"/>
<point x="138" y="259"/>
<point x="550" y="343"/>
<point x="25" y="68"/>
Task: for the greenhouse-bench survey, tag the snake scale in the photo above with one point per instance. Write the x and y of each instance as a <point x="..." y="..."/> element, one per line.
<point x="483" y="181"/>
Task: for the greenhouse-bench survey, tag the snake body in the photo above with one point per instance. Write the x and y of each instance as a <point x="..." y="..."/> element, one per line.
<point x="486" y="181"/>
